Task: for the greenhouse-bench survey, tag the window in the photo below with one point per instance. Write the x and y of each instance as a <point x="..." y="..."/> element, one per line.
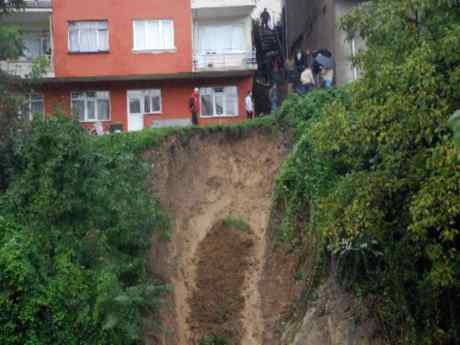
<point x="88" y="37"/>
<point x="144" y="101"/>
<point x="221" y="39"/>
<point x="36" y="44"/>
<point x="153" y="35"/>
<point x="35" y="106"/>
<point x="91" y="106"/>
<point x="219" y="101"/>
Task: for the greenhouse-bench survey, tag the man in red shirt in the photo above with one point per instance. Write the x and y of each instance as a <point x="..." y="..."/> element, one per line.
<point x="194" y="106"/>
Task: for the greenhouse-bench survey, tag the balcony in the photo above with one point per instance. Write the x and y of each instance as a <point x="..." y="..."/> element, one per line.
<point x="38" y="5"/>
<point x="23" y="69"/>
<point x="222" y="8"/>
<point x="225" y="62"/>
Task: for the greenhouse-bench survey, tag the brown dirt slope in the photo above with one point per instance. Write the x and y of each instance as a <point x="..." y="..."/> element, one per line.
<point x="217" y="303"/>
<point x="200" y="181"/>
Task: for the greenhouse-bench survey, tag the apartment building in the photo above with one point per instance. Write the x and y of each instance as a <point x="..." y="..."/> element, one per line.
<point x="133" y="64"/>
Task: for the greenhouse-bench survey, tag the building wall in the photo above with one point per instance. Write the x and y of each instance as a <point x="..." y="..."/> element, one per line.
<point x="313" y="24"/>
<point x="121" y="60"/>
<point x="175" y="96"/>
<point x="344" y="69"/>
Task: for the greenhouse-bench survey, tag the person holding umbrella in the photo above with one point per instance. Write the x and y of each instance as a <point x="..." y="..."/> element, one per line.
<point x="325" y="62"/>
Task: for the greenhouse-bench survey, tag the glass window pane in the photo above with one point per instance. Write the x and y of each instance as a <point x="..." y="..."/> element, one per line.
<point x="219" y="99"/>
<point x="237" y="38"/>
<point x="91" y="110"/>
<point x="36" y="108"/>
<point x="103" y="40"/>
<point x="74" y="46"/>
<point x="90" y="94"/>
<point x="102" y="94"/>
<point x="139" y="35"/>
<point x="32" y="46"/>
<point x="206" y="105"/>
<point x="134" y="105"/>
<point x="38" y="98"/>
<point x="103" y="109"/>
<point x="78" y="109"/>
<point x="231" y="100"/>
<point x="156" y="103"/>
<point x="88" y="40"/>
<point x="168" y="32"/>
<point x="146" y="104"/>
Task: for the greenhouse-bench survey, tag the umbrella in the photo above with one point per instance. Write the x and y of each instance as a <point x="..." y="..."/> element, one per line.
<point x="326" y="62"/>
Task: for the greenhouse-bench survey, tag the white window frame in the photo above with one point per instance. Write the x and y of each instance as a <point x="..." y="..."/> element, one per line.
<point x="27" y="110"/>
<point x="215" y="115"/>
<point x="142" y="93"/>
<point x="98" y="50"/>
<point x="136" y="47"/>
<point x="231" y="25"/>
<point x="85" y="98"/>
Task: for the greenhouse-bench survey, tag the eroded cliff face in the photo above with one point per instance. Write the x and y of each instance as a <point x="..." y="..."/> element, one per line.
<point x="201" y="180"/>
<point x="333" y="317"/>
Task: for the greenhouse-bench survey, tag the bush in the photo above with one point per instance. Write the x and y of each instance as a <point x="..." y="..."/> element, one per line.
<point x="75" y="224"/>
<point x="379" y="175"/>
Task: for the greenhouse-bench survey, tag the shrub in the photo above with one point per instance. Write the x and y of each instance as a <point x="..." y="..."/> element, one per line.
<point x="75" y="224"/>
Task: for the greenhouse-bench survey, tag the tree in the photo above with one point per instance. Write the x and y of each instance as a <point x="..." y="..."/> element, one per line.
<point x="13" y="90"/>
<point x="392" y="172"/>
<point x="75" y="225"/>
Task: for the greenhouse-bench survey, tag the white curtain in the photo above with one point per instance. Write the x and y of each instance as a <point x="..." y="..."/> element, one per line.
<point x="168" y="34"/>
<point x="221" y="39"/>
<point x="140" y="35"/>
<point x="231" y="100"/>
<point x="32" y="46"/>
<point x="238" y="39"/>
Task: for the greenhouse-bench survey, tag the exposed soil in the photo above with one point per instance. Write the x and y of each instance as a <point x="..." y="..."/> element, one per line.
<point x="217" y="302"/>
<point x="239" y="285"/>
<point x="201" y="181"/>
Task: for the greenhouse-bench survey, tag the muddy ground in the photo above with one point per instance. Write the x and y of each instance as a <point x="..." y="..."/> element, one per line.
<point x="242" y="286"/>
<point x="200" y="182"/>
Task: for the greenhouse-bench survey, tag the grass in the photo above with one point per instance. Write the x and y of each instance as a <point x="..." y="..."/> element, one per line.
<point x="137" y="142"/>
<point x="236" y="222"/>
<point x="214" y="340"/>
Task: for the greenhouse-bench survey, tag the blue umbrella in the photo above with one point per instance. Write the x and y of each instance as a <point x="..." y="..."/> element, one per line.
<point x="326" y="62"/>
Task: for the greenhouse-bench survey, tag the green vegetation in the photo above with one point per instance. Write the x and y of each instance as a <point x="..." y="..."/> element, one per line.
<point x="214" y="340"/>
<point x="75" y="224"/>
<point x="236" y="222"/>
<point x="140" y="141"/>
<point x="454" y="122"/>
<point x="374" y="170"/>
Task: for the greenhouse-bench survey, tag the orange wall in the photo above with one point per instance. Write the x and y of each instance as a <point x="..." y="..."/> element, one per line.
<point x="175" y="96"/>
<point x="120" y="60"/>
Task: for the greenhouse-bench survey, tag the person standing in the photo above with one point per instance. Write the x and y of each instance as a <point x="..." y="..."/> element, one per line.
<point x="274" y="97"/>
<point x="307" y="80"/>
<point x="194" y="105"/>
<point x="249" y="104"/>
<point x="265" y="18"/>
<point x="327" y="75"/>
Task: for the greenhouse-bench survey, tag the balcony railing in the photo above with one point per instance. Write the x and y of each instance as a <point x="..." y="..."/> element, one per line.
<point x="196" y="4"/>
<point x="38" y="4"/>
<point x="23" y="69"/>
<point x="225" y="61"/>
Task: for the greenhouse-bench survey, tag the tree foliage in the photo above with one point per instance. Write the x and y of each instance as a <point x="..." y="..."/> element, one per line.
<point x="380" y="169"/>
<point x="75" y="225"/>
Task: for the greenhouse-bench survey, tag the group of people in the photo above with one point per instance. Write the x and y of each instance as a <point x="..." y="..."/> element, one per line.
<point x="308" y="70"/>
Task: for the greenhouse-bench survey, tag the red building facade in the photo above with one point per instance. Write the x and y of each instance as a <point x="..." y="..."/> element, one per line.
<point x="135" y="63"/>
